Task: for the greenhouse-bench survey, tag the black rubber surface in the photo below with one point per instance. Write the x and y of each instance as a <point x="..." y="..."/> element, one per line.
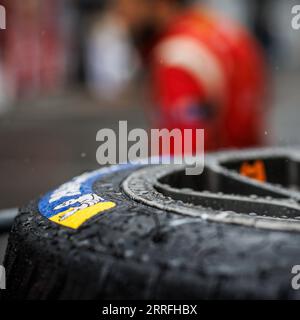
<point x="138" y="252"/>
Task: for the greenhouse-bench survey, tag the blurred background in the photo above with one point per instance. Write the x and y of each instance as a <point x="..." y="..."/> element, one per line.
<point x="68" y="69"/>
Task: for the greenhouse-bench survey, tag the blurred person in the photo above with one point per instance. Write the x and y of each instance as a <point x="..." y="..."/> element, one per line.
<point x="111" y="60"/>
<point x="34" y="47"/>
<point x="206" y="71"/>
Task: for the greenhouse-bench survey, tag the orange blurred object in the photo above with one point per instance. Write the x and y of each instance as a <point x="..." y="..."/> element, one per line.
<point x="256" y="171"/>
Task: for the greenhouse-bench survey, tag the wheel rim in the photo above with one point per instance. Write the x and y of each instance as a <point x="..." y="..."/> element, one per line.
<point x="221" y="194"/>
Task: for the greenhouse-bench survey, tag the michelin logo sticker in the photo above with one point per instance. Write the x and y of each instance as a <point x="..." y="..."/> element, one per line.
<point x="74" y="202"/>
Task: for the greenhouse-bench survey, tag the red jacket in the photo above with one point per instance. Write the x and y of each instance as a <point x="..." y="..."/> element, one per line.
<point x="209" y="73"/>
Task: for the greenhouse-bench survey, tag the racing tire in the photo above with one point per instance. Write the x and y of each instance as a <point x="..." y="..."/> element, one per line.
<point x="149" y="242"/>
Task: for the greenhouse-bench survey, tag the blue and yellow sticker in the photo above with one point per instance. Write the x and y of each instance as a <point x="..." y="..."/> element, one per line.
<point x="74" y="202"/>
